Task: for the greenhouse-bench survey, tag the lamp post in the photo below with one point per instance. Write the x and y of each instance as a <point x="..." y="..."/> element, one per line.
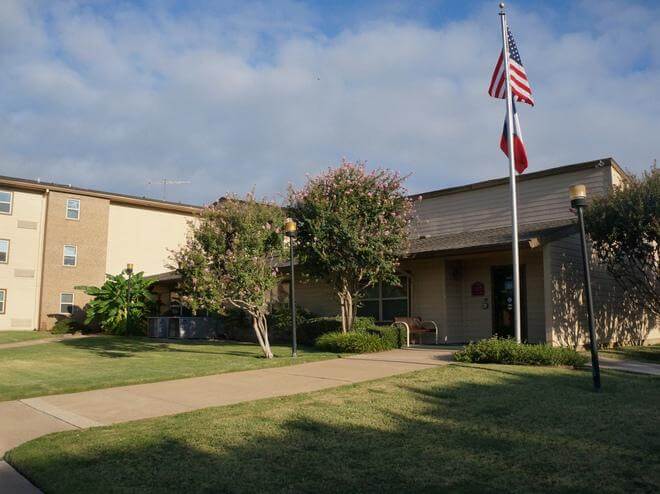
<point x="578" y="195"/>
<point x="129" y="272"/>
<point x="290" y="229"/>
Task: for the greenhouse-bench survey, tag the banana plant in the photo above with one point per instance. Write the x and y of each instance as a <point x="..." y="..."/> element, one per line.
<point x="110" y="304"/>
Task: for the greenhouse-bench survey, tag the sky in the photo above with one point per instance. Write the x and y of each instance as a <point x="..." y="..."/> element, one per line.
<point x="238" y="96"/>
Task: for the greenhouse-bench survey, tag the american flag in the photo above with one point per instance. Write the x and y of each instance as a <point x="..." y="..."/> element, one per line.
<point x="520" y="87"/>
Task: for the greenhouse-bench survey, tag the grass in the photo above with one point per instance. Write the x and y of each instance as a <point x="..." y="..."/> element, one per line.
<point x="645" y="353"/>
<point x="107" y="361"/>
<point x="458" y="428"/>
<point x="17" y="336"/>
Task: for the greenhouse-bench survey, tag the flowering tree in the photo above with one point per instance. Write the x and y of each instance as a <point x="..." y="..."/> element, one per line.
<point x="229" y="260"/>
<point x="353" y="227"/>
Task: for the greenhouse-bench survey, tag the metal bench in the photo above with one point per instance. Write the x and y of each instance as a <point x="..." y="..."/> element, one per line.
<point x="415" y="325"/>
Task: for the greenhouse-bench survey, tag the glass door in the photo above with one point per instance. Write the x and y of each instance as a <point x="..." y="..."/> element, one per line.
<point x="502" y="278"/>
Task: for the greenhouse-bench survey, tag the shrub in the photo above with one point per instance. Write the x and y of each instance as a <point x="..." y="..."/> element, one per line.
<point x="392" y="336"/>
<point x="351" y="342"/>
<point x="279" y="321"/>
<point x="507" y="351"/>
<point x="311" y="329"/>
<point x="66" y="326"/>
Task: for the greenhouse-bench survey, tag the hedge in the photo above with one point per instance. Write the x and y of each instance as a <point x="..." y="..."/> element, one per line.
<point x="507" y="351"/>
<point x="365" y="337"/>
<point x="351" y="342"/>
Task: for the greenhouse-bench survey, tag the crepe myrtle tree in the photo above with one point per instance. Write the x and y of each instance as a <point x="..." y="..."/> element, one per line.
<point x="624" y="227"/>
<point x="353" y="228"/>
<point x="229" y="259"/>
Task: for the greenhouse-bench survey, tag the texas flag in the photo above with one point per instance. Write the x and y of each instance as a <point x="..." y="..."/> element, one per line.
<point x="519" y="152"/>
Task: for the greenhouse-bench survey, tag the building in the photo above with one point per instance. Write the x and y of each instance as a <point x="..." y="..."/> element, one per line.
<point x="55" y="237"/>
<point x="458" y="270"/>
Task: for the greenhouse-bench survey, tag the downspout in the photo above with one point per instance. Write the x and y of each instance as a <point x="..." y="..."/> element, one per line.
<point x="41" y="256"/>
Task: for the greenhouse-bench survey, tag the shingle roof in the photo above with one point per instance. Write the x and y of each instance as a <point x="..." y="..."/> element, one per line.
<point x="489" y="238"/>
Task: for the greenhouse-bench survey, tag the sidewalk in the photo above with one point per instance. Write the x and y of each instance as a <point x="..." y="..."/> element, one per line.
<point x="48" y="339"/>
<point x="636" y="366"/>
<point x="23" y="420"/>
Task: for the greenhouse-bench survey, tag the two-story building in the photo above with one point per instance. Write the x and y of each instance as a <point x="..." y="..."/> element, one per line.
<point x="55" y="237"/>
<point x="458" y="272"/>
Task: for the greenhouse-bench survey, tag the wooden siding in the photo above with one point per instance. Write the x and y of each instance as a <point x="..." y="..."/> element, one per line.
<point x="427" y="290"/>
<point x="467" y="319"/>
<point x="540" y="199"/>
<point x="618" y="319"/>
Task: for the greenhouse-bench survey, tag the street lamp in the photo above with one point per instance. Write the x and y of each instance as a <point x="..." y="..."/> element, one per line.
<point x="290" y="229"/>
<point x="129" y="272"/>
<point x="578" y="195"/>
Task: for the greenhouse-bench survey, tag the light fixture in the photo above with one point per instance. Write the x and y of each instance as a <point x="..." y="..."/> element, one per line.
<point x="290" y="227"/>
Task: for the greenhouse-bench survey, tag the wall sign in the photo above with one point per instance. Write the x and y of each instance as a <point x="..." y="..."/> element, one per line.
<point x="478" y="289"/>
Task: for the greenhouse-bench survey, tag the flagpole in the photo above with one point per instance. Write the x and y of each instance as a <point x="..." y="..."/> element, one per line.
<point x="512" y="181"/>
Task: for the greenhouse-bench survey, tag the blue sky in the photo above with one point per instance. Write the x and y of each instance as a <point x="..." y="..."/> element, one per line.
<point x="239" y="95"/>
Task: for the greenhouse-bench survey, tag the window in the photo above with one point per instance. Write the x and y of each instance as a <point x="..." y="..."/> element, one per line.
<point x="73" y="209"/>
<point x="70" y="255"/>
<point x="4" y="251"/>
<point x="385" y="302"/>
<point x="5" y="201"/>
<point x="3" y="300"/>
<point x="66" y="303"/>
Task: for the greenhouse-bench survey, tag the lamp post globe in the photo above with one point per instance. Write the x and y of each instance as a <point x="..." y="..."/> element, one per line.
<point x="578" y="196"/>
<point x="290" y="230"/>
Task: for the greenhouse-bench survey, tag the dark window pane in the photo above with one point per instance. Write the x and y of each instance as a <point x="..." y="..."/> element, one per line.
<point x="5" y="207"/>
<point x="371" y="292"/>
<point x="368" y="308"/>
<point x="391" y="291"/>
<point x="394" y="308"/>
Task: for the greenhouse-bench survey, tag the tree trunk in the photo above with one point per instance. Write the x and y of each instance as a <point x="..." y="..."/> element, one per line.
<point x="260" y="325"/>
<point x="346" y="300"/>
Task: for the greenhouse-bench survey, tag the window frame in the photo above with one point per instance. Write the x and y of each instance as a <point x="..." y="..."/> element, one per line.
<point x="3" y="307"/>
<point x="11" y="202"/>
<point x="75" y="256"/>
<point x="6" y="261"/>
<point x="72" y="303"/>
<point x="67" y="209"/>
<point x="380" y="299"/>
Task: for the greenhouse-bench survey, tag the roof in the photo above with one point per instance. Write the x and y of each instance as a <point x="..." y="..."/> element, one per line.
<point x="529" y="235"/>
<point x="39" y="186"/>
<point x="527" y="176"/>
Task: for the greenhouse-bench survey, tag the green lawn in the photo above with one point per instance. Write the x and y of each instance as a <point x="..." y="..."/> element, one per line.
<point x="646" y="353"/>
<point x="459" y="428"/>
<point x="106" y="361"/>
<point x="16" y="336"/>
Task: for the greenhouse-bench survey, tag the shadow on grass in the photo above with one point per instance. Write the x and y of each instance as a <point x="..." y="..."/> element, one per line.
<point x="420" y="433"/>
<point x="125" y="347"/>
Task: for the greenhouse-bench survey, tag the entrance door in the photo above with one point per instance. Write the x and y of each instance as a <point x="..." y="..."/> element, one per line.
<point x="502" y="277"/>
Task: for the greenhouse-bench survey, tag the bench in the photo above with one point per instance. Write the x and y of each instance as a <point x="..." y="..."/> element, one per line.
<point x="415" y="325"/>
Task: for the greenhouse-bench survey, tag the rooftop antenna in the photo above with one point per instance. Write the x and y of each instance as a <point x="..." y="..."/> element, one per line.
<point x="165" y="182"/>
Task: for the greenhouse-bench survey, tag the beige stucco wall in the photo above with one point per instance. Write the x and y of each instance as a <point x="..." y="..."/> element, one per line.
<point x="20" y="276"/>
<point x="144" y="237"/>
<point x="617" y="318"/>
<point x="89" y="234"/>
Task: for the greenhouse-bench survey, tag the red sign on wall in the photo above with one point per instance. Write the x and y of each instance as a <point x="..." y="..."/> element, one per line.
<point x="478" y="289"/>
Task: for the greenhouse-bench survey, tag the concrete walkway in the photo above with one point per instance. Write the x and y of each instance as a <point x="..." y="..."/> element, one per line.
<point x="47" y="339"/>
<point x="635" y="366"/>
<point x="22" y="420"/>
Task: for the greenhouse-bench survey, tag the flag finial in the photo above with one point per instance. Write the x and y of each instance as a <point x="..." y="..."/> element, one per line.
<point x="502" y="6"/>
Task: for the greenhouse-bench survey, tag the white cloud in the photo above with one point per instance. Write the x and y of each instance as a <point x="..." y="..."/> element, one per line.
<point x="241" y="96"/>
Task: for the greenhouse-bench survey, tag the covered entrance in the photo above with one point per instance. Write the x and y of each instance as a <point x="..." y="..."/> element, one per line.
<point x="502" y="297"/>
